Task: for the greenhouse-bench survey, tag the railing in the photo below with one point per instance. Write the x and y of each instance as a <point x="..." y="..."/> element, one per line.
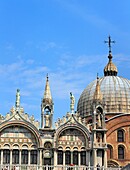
<point x="51" y="167"/>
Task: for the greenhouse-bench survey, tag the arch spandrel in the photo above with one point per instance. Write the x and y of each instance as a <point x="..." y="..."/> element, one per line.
<point x="72" y="136"/>
<point x="19" y="133"/>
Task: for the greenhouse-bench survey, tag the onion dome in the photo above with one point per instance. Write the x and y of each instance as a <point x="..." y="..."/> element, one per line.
<point x="110" y="69"/>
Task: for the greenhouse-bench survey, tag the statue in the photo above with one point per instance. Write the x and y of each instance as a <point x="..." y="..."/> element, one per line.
<point x="17" y="104"/>
<point x="99" y="119"/>
<point x="72" y="102"/>
<point x="47" y="120"/>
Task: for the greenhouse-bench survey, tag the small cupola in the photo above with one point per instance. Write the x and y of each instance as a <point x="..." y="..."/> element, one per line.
<point x="110" y="69"/>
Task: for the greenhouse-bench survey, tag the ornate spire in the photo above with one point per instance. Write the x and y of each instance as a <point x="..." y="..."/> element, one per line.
<point x="47" y="93"/>
<point x="17" y="103"/>
<point x="110" y="69"/>
<point x="47" y="107"/>
<point x="97" y="94"/>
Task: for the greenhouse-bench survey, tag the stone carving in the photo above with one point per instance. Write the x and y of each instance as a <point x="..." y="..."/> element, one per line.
<point x="47" y="120"/>
<point x="99" y="119"/>
<point x="72" y="102"/>
<point x="17" y="104"/>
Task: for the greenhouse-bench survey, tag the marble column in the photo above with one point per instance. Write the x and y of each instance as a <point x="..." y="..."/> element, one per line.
<point x="29" y="157"/>
<point x="79" y="159"/>
<point x="1" y="157"/>
<point x="20" y="157"/>
<point x="105" y="158"/>
<point x="11" y="157"/>
<point x="64" y="158"/>
<point x="55" y="158"/>
<point x="40" y="159"/>
<point x="95" y="158"/>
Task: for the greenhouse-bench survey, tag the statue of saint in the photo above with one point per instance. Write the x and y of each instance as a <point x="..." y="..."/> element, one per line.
<point x="47" y="120"/>
<point x="17" y="104"/>
<point x="99" y="119"/>
<point x="72" y="101"/>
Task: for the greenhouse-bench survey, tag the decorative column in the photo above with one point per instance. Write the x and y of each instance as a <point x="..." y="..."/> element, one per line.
<point x="20" y="157"/>
<point x="64" y="158"/>
<point x="105" y="158"/>
<point x="89" y="159"/>
<point x="104" y="139"/>
<point x="79" y="158"/>
<point x="55" y="157"/>
<point x="95" y="158"/>
<point x="1" y="157"/>
<point x="40" y="157"/>
<point x="11" y="157"/>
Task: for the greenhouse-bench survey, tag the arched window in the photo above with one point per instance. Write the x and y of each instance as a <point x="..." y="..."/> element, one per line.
<point x="83" y="158"/>
<point x="120" y="152"/>
<point x="67" y="158"/>
<point x="120" y="135"/>
<point x="60" y="157"/>
<point x="110" y="152"/>
<point x="75" y="157"/>
<point x="6" y="156"/>
<point x="24" y="158"/>
<point x="15" y="156"/>
<point x="33" y="157"/>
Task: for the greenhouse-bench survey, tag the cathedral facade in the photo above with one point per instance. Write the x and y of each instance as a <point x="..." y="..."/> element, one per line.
<point x="97" y="133"/>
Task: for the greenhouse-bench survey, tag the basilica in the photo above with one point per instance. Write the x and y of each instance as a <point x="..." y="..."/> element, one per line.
<point x="97" y="133"/>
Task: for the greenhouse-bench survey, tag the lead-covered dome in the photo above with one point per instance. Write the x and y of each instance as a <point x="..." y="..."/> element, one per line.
<point x="115" y="92"/>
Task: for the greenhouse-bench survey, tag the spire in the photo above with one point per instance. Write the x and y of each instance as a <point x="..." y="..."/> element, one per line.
<point x="17" y="103"/>
<point x="97" y="94"/>
<point x="47" y="93"/>
<point x="110" y="69"/>
<point x="47" y="107"/>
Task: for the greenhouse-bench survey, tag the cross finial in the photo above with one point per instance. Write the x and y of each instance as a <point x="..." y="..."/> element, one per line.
<point x="97" y="76"/>
<point x="47" y="77"/>
<point x="109" y="43"/>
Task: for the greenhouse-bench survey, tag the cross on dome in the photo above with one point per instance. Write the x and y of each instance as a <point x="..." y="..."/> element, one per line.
<point x="109" y="42"/>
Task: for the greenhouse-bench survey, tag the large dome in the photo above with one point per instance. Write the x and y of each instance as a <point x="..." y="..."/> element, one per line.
<point x="115" y="95"/>
<point x="115" y="92"/>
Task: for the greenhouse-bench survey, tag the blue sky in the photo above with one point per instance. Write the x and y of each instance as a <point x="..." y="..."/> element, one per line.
<point x="64" y="38"/>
